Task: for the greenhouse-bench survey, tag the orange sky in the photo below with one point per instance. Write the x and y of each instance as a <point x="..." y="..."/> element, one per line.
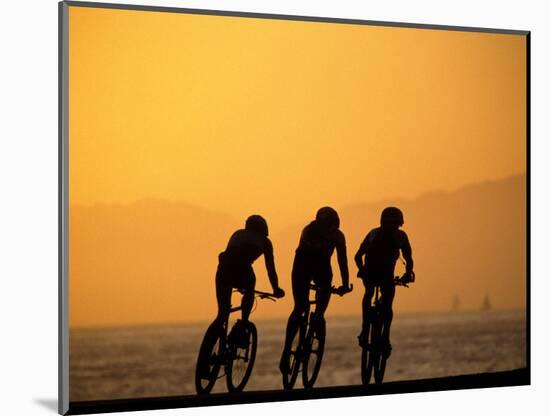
<point x="246" y="115"/>
<point x="280" y="117"/>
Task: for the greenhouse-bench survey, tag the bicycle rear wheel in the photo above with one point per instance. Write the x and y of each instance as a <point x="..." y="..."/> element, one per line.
<point x="294" y="359"/>
<point x="241" y="359"/>
<point x="209" y="359"/>
<point x="369" y="353"/>
<point x="314" y="347"/>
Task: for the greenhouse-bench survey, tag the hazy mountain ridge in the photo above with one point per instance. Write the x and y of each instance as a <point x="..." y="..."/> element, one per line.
<point x="142" y="255"/>
<point x="467" y="242"/>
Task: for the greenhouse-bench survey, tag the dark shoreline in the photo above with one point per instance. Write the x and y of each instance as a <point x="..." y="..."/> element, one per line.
<point x="517" y="377"/>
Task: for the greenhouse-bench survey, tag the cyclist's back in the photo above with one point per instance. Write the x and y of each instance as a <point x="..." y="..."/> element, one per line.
<point x="381" y="248"/>
<point x="315" y="249"/>
<point x="243" y="249"/>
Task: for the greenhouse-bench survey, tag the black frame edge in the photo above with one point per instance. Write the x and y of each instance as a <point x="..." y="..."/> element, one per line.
<point x="514" y="378"/>
<point x="511" y="378"/>
<point x="63" y="176"/>
<point x="528" y="200"/>
<point x="317" y="19"/>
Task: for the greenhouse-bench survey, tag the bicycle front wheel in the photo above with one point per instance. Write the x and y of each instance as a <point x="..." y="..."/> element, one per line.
<point x="313" y="352"/>
<point x="380" y="360"/>
<point x="294" y="359"/>
<point x="209" y="360"/>
<point x="241" y="358"/>
<point x="369" y="353"/>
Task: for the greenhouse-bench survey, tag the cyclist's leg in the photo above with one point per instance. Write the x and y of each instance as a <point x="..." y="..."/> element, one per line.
<point x="300" y="293"/>
<point x="248" y="297"/>
<point x="387" y="291"/>
<point x="223" y="297"/>
<point x="322" y="297"/>
<point x="367" y="299"/>
<point x="366" y="303"/>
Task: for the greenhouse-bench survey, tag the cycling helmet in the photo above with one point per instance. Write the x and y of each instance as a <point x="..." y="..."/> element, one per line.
<point x="328" y="217"/>
<point x="391" y="216"/>
<point x="258" y="224"/>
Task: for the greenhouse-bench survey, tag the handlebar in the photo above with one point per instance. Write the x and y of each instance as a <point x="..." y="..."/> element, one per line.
<point x="341" y="290"/>
<point x="333" y="289"/>
<point x="260" y="294"/>
<point x="398" y="280"/>
<point x="265" y="295"/>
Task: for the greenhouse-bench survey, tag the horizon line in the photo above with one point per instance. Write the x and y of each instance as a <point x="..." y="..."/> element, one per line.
<point x="284" y="318"/>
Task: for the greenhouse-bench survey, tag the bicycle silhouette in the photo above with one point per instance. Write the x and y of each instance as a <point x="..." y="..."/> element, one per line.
<point x="235" y="355"/>
<point x="373" y="356"/>
<point x="308" y="346"/>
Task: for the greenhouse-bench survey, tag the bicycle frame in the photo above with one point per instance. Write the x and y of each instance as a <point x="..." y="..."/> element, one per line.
<point x="307" y="316"/>
<point x="377" y="303"/>
<point x="316" y="289"/>
<point x="311" y="302"/>
<point x="307" y="331"/>
<point x="373" y="355"/>
<point x="232" y="309"/>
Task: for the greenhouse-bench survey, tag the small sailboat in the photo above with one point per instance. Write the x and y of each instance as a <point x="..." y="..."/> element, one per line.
<point x="486" y="305"/>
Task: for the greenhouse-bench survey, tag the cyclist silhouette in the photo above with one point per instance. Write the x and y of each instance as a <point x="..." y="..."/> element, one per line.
<point x="235" y="267"/>
<point x="376" y="260"/>
<point x="317" y="243"/>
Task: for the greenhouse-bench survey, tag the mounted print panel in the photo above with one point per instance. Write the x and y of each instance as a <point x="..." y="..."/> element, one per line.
<point x="267" y="208"/>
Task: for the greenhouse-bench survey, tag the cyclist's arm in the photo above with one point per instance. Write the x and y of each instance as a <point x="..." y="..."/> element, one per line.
<point x="407" y="253"/>
<point x="360" y="253"/>
<point x="270" y="265"/>
<point x="342" y="258"/>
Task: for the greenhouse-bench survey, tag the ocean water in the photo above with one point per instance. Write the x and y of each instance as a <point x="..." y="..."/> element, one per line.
<point x="153" y="361"/>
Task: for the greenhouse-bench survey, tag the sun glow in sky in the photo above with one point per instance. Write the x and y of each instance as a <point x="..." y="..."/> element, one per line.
<point x="244" y="115"/>
<point x="241" y="115"/>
